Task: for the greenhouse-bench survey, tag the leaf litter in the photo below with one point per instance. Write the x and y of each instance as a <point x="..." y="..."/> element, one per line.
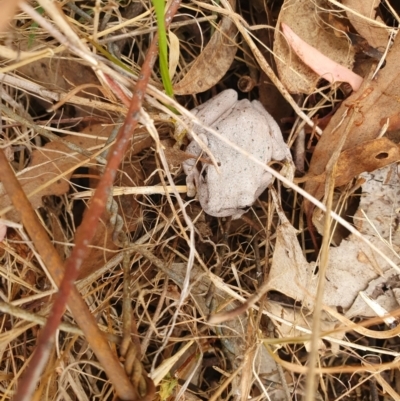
<point x="259" y="272"/>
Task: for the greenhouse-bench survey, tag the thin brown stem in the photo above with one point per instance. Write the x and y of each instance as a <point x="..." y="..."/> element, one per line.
<point x="86" y="231"/>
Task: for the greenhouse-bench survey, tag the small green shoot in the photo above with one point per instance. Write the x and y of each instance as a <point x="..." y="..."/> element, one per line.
<point x="167" y="387"/>
<point x="34" y="26"/>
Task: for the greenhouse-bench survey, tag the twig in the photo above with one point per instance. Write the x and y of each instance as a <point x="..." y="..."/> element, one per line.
<point x="77" y="305"/>
<point x="87" y="229"/>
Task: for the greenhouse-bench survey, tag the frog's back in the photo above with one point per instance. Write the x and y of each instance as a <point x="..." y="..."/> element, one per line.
<point x="238" y="183"/>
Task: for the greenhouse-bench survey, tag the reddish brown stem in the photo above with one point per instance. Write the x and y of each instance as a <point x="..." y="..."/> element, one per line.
<point x="87" y="229"/>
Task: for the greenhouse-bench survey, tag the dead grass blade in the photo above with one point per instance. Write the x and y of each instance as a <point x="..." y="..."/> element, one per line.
<point x="53" y="262"/>
<point x="87" y="229"/>
<point x="210" y="308"/>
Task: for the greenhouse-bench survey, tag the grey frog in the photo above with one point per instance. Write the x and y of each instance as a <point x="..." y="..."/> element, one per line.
<point x="240" y="181"/>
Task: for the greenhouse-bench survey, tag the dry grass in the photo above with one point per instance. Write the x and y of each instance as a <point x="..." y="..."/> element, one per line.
<point x="174" y="266"/>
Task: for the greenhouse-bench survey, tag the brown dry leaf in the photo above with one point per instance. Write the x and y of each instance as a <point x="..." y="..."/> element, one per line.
<point x="213" y="62"/>
<point x="59" y="73"/>
<point x="375" y="100"/>
<point x="8" y="9"/>
<point x="307" y="20"/>
<point x="368" y="156"/>
<point x="63" y="74"/>
<point x="55" y="161"/>
<point x="376" y="36"/>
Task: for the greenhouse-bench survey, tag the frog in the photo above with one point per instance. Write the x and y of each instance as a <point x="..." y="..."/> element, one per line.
<point x="232" y="187"/>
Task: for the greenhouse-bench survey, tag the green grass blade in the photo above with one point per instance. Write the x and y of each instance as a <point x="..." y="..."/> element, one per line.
<point x="159" y="6"/>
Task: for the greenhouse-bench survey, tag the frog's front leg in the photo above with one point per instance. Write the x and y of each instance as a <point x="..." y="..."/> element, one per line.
<point x="190" y="166"/>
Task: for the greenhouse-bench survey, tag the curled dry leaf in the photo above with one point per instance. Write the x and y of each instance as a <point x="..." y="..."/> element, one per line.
<point x="381" y="203"/>
<point x="352" y="266"/>
<point x="213" y="62"/>
<point x="174" y="51"/>
<point x="319" y="63"/>
<point x="365" y="157"/>
<point x="379" y="215"/>
<point x="307" y="19"/>
<point x="377" y="290"/>
<point x="246" y="83"/>
<point x="393" y="122"/>
<point x="376" y="100"/>
<point x="376" y="36"/>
